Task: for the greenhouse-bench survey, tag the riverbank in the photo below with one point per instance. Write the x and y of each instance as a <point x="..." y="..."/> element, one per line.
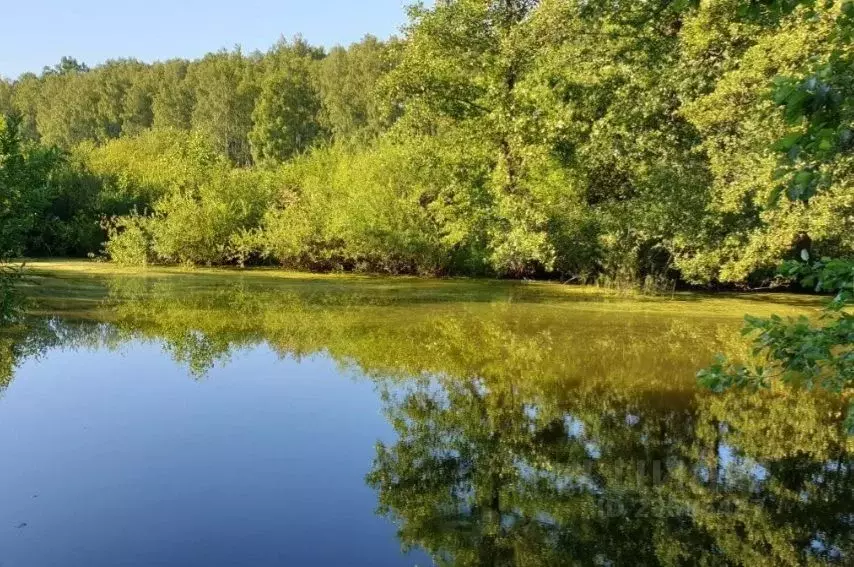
<point x="67" y="279"/>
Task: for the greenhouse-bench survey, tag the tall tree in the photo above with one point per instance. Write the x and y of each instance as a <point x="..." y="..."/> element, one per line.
<point x="25" y="101"/>
<point x="67" y="110"/>
<point x="124" y="98"/>
<point x="461" y="69"/>
<point x="286" y="117"/>
<point x="604" y="94"/>
<point x="67" y="65"/>
<point x="226" y="90"/>
<point x="776" y="127"/>
<point x="7" y="107"/>
<point x="349" y="80"/>
<point x="26" y="186"/>
<point x="174" y="97"/>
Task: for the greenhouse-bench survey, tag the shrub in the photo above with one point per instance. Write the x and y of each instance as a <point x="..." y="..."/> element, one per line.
<point x="129" y="240"/>
<point x="355" y="210"/>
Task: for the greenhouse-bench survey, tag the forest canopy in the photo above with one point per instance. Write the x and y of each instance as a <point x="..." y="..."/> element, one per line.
<point x="699" y="140"/>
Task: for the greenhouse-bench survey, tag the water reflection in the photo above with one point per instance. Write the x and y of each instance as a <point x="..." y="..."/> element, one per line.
<point x="530" y="430"/>
<point x="493" y="475"/>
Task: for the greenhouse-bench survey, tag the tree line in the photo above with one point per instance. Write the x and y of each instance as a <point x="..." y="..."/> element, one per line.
<point x="620" y="141"/>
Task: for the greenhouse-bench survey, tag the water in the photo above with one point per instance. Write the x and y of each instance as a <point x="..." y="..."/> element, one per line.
<point x="257" y="420"/>
<point x="118" y="459"/>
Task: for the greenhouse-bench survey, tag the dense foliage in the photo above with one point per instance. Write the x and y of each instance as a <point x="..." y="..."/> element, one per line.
<point x="26" y="189"/>
<point x="706" y="141"/>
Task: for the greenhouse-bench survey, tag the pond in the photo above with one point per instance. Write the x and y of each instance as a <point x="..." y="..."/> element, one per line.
<point x="168" y="418"/>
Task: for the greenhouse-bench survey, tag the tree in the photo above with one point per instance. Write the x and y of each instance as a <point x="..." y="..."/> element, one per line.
<point x="774" y="129"/>
<point x="173" y="98"/>
<point x="349" y="80"/>
<point x="125" y="96"/>
<point x="460" y="70"/>
<point x="225" y="92"/>
<point x="24" y="192"/>
<point x="66" y="66"/>
<point x="67" y="111"/>
<point x="286" y="116"/>
<point x="25" y="102"/>
<point x="6" y="91"/>
<point x="605" y="89"/>
<point x="25" y="187"/>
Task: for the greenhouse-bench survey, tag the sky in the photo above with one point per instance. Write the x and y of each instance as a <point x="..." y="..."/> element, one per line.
<point x="39" y="32"/>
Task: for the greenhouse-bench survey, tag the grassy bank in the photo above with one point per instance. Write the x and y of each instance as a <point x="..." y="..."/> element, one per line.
<point x="80" y="280"/>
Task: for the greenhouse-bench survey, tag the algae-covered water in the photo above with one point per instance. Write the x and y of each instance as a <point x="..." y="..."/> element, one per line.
<point x="227" y="418"/>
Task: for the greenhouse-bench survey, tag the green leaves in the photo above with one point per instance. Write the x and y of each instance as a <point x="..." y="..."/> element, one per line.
<point x="657" y="141"/>
<point x="285" y="120"/>
<point x="800" y="351"/>
<point x="828" y="275"/>
<point x="722" y="376"/>
<point x="774" y="115"/>
<point x="25" y="190"/>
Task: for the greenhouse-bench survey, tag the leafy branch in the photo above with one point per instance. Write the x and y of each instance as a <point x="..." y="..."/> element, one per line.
<point x="799" y="351"/>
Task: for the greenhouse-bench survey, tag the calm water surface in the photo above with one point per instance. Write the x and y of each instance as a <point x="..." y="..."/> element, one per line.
<point x="211" y="420"/>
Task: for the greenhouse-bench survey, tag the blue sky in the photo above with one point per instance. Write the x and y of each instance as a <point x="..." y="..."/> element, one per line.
<point x="38" y="32"/>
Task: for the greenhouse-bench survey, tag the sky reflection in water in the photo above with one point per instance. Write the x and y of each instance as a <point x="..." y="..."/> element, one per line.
<point x="182" y="420"/>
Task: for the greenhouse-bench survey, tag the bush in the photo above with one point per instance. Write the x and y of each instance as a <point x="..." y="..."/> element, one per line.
<point x="129" y="240"/>
<point x="201" y="207"/>
<point x="355" y="210"/>
<point x="199" y="225"/>
<point x="136" y="171"/>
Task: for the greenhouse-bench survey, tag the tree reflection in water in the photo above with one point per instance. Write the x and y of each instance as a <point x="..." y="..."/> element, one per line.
<point x="486" y="474"/>
<point x="531" y="430"/>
